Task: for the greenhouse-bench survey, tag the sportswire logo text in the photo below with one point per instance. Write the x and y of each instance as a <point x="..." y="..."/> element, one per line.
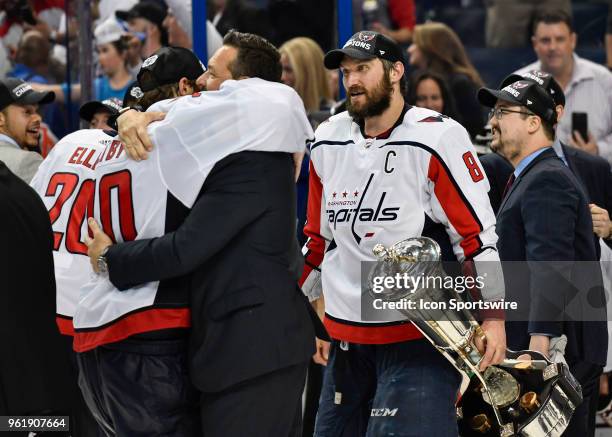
<point x="352" y="210"/>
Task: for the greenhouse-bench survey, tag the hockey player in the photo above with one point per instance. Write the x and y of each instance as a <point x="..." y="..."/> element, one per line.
<point x="380" y="173"/>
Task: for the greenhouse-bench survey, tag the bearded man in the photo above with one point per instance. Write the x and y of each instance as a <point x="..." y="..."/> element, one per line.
<point x="379" y="173"/>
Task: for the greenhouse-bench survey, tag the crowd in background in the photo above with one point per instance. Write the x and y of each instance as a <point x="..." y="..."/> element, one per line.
<point x="38" y="44"/>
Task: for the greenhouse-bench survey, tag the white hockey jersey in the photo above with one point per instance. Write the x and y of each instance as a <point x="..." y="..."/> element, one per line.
<point x="131" y="197"/>
<point x="365" y="191"/>
<point x="65" y="183"/>
<point x="130" y="203"/>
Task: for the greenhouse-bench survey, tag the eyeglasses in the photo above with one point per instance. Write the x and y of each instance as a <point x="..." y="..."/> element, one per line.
<point x="499" y="112"/>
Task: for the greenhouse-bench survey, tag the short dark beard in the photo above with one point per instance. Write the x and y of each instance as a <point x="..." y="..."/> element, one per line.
<point x="377" y="100"/>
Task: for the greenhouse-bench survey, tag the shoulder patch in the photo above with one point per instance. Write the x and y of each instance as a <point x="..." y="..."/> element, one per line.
<point x="433" y="119"/>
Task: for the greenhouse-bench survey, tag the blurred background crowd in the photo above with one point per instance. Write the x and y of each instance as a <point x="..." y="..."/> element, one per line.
<point x="452" y="48"/>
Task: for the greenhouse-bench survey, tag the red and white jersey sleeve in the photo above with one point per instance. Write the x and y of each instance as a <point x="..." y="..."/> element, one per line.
<point x="458" y="189"/>
<point x="65" y="183"/>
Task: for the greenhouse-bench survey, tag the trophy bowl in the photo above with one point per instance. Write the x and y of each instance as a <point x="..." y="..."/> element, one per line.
<point x="531" y="398"/>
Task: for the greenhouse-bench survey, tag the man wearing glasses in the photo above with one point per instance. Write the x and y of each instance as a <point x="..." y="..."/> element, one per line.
<point x="544" y="219"/>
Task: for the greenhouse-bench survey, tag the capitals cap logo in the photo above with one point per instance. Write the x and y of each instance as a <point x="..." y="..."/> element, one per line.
<point x="366" y="36"/>
<point x="113" y="102"/>
<point x="149" y="61"/>
<point x="136" y="92"/>
<point x="538" y="73"/>
<point x="520" y="85"/>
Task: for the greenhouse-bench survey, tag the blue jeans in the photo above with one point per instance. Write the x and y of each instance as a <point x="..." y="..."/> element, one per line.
<point x="400" y="389"/>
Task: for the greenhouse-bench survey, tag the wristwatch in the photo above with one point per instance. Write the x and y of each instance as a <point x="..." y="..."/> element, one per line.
<point x="102" y="264"/>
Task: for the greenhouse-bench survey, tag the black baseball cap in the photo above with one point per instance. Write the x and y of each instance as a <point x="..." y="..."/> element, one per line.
<point x="365" y="45"/>
<point x="16" y="91"/>
<point x="545" y="80"/>
<point x="523" y="93"/>
<point x="148" y="10"/>
<point x="169" y="65"/>
<point x="89" y="109"/>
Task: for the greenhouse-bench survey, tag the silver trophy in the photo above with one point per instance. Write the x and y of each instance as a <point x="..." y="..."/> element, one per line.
<point x="531" y="398"/>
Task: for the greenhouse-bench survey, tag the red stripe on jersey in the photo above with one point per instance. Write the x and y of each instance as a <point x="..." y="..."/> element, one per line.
<point x="312" y="229"/>
<point x="65" y="325"/>
<point x="363" y="334"/>
<point x="143" y="321"/>
<point x="41" y="5"/>
<point x="454" y="205"/>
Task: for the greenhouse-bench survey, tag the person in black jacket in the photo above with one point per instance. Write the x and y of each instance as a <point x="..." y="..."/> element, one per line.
<point x="252" y="328"/>
<point x="36" y="373"/>
<point x="543" y="218"/>
<point x="592" y="171"/>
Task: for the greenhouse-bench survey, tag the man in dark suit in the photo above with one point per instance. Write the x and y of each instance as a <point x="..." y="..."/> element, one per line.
<point x="36" y="375"/>
<point x="545" y="218"/>
<point x="592" y="171"/>
<point x="252" y="328"/>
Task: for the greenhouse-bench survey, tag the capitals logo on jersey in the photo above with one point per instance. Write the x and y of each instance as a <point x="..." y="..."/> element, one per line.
<point x="353" y="207"/>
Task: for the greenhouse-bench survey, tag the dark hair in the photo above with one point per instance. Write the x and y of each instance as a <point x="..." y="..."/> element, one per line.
<point x="403" y="84"/>
<point x="120" y="45"/>
<point x="162" y="92"/>
<point x="547" y="126"/>
<point x="256" y="57"/>
<point x="552" y="16"/>
<point x="419" y="76"/>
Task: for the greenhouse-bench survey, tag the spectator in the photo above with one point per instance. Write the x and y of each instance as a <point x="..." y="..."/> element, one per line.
<point x="428" y="90"/>
<point x="35" y="64"/>
<point x="587" y="86"/>
<point x="145" y="21"/>
<point x="393" y="18"/>
<point x="21" y="16"/>
<point x="32" y="58"/>
<point x="112" y="56"/>
<point x="20" y="126"/>
<point x="437" y="48"/>
<point x="303" y="70"/>
<point x="97" y="113"/>
<point x="508" y="22"/>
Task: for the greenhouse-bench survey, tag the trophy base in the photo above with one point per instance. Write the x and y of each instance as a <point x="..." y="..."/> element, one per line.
<point x="546" y="403"/>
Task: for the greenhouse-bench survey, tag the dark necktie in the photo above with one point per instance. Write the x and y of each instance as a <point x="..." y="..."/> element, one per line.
<point x="508" y="185"/>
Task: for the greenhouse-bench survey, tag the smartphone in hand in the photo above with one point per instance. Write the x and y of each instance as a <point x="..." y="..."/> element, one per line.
<point x="580" y="124"/>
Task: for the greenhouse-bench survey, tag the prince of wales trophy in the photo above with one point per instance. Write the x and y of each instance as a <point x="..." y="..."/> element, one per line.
<point x="530" y="398"/>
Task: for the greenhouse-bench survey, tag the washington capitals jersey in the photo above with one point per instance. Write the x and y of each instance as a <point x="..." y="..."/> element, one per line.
<point x="131" y="202"/>
<point x="422" y="179"/>
<point x="65" y="183"/>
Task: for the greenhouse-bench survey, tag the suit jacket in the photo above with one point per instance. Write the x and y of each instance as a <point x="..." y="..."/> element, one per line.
<point x="545" y="217"/>
<point x="21" y="162"/>
<point x="596" y="177"/>
<point x="249" y="317"/>
<point x="498" y="169"/>
<point x="35" y="370"/>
